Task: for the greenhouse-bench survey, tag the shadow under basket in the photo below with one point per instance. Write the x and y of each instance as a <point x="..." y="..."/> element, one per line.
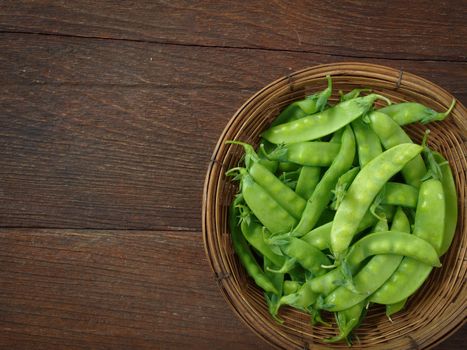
<point x="438" y="308"/>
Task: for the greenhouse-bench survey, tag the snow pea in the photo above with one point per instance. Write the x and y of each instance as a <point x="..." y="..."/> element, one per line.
<point x="429" y="224"/>
<point x="347" y="320"/>
<point x="307" y="153"/>
<point x="309" y="105"/>
<point x="282" y="194"/>
<point x="363" y="190"/>
<point x="253" y="233"/>
<point x="321" y="124"/>
<point x="373" y="275"/>
<point x="322" y="194"/>
<point x="244" y="253"/>
<point x="277" y="279"/>
<point x="410" y="112"/>
<point x="393" y="242"/>
<point x="342" y="185"/>
<point x="450" y="194"/>
<point x="307" y="181"/>
<point x="302" y="299"/>
<point x="274" y="217"/>
<point x="290" y="287"/>
<point x="391" y="134"/>
<point x="396" y="193"/>
<point x="306" y="255"/>
<point x="368" y="143"/>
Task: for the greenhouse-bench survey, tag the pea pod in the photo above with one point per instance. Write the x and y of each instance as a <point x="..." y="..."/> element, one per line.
<point x="363" y="190"/>
<point x="309" y="105"/>
<point x="274" y="217"/>
<point x="272" y="299"/>
<point x="450" y="193"/>
<point x="396" y="307"/>
<point x="400" y="194"/>
<point x="343" y="183"/>
<point x="391" y="134"/>
<point x="372" y="276"/>
<point x="243" y="251"/>
<point x="429" y="224"/>
<point x="306" y="153"/>
<point x="368" y="143"/>
<point x="347" y="320"/>
<point x="321" y="124"/>
<point x="322" y="194"/>
<point x="411" y="112"/>
<point x="307" y="181"/>
<point x="253" y="233"/>
<point x="306" y="255"/>
<point x="290" y="287"/>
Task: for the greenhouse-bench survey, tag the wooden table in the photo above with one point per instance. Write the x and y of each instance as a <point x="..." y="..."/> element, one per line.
<point x="109" y="112"/>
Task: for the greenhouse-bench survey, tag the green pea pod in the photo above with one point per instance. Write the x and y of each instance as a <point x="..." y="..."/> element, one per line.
<point x="307" y="181"/>
<point x="396" y="307"/>
<point x="310" y="105"/>
<point x="322" y="194"/>
<point x="244" y="254"/>
<point x="391" y="134"/>
<point x="272" y="299"/>
<point x="273" y="216"/>
<point x="343" y="183"/>
<point x="306" y="255"/>
<point x="302" y="299"/>
<point x="450" y="193"/>
<point x="307" y="153"/>
<point x="373" y="275"/>
<point x="411" y="112"/>
<point x="253" y="233"/>
<point x="400" y="194"/>
<point x="347" y="320"/>
<point x="352" y="94"/>
<point x="429" y="224"/>
<point x="393" y="242"/>
<point x="363" y="191"/>
<point x="321" y="124"/>
<point x="368" y="143"/>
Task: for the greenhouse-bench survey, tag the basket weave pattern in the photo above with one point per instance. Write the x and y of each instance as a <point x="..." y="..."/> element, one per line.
<point x="436" y="310"/>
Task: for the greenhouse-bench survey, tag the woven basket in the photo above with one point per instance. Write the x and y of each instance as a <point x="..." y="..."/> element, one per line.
<point x="436" y="311"/>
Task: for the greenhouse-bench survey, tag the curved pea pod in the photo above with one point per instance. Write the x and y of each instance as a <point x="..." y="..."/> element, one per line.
<point x="274" y="217"/>
<point x="363" y="191"/>
<point x="400" y="194"/>
<point x="393" y="242"/>
<point x="450" y="194"/>
<point x="309" y="105"/>
<point x="391" y="134"/>
<point x="347" y="320"/>
<point x="322" y="194"/>
<point x="253" y="233"/>
<point x="410" y="112"/>
<point x="307" y="153"/>
<point x="429" y="224"/>
<point x="303" y="298"/>
<point x="372" y="276"/>
<point x="430" y="213"/>
<point x="368" y="143"/>
<point x="307" y="181"/>
<point x="306" y="255"/>
<point x="321" y="124"/>
<point x="244" y="254"/>
<point x="281" y="193"/>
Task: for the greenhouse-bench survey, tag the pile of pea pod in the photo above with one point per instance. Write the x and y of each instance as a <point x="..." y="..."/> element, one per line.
<point x="338" y="208"/>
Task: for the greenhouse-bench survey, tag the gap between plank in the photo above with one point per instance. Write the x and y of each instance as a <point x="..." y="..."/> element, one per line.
<point x="229" y="47"/>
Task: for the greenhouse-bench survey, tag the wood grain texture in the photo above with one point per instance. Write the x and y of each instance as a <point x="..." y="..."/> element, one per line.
<point x="112" y="290"/>
<point x="75" y="289"/>
<point x="434" y="31"/>
<point x="111" y="134"/>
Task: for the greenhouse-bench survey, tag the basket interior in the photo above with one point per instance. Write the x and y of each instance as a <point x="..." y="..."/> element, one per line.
<point x="435" y="310"/>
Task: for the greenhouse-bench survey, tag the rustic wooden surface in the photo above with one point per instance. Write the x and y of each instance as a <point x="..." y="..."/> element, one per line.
<point x="109" y="112"/>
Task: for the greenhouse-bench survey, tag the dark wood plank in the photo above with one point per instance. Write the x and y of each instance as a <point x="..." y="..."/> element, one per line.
<point x="111" y="134"/>
<point x="112" y="290"/>
<point x="74" y="289"/>
<point x="434" y="31"/>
